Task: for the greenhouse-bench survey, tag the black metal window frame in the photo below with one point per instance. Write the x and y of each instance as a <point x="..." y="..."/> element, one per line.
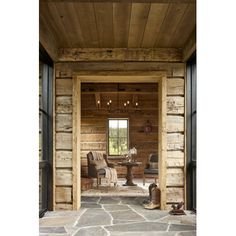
<point x="46" y="112"/>
<point x="118" y="137"/>
<point x="191" y="132"/>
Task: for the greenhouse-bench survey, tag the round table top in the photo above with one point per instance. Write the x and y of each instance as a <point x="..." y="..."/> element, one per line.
<point x="129" y="163"/>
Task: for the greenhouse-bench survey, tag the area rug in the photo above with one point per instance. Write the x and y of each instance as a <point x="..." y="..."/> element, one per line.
<point x="119" y="191"/>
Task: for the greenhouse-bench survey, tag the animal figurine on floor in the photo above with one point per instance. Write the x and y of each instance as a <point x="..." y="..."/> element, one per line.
<point x="176" y="209"/>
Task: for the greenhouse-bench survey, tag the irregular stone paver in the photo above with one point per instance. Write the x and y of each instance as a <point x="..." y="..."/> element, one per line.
<point x="93" y="231"/>
<point x="188" y="233"/>
<point x="126" y="215"/>
<point x="175" y="227"/>
<point x="143" y="233"/>
<point x="183" y="219"/>
<point x="143" y="226"/>
<point x="60" y="213"/>
<point x="116" y="207"/>
<point x="115" y="222"/>
<point x="93" y="217"/>
<point x="133" y="200"/>
<point x="90" y="205"/>
<point x="151" y="215"/>
<point x="109" y="200"/>
<point x="89" y="199"/>
<point x="52" y="230"/>
<point x="57" y="221"/>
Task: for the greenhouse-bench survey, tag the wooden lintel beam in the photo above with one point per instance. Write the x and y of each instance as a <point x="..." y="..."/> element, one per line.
<point x="120" y="54"/>
<point x="125" y="1"/>
<point x="120" y="92"/>
<point x="190" y="46"/>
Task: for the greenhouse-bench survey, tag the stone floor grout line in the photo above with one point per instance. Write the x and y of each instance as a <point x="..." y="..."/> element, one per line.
<point x="168" y="227"/>
<point x="138" y="213"/>
<point x="108" y="214"/>
<point x="108" y="232"/>
<point x="84" y="210"/>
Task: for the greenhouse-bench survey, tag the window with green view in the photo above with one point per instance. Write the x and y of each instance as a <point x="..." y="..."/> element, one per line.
<point x="117" y="136"/>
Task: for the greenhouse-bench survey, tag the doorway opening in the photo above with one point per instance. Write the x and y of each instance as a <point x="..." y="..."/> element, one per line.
<point x="127" y="106"/>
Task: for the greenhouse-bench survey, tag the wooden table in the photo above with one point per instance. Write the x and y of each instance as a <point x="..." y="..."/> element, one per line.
<point x="129" y="176"/>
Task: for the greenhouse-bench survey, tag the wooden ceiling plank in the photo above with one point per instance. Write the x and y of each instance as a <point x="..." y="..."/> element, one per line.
<point x="126" y="1"/>
<point x="173" y="17"/>
<point x="104" y="20"/>
<point x="57" y="20"/>
<point x="48" y="40"/>
<point x="86" y="18"/>
<point x="66" y="12"/>
<point x="138" y="20"/>
<point x="45" y="15"/>
<point x="121" y="21"/>
<point x="120" y="54"/>
<point x="185" y="27"/>
<point x="155" y="18"/>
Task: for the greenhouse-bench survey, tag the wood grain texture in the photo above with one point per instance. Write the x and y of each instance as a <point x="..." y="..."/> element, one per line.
<point x="175" y="159"/>
<point x="175" y="105"/>
<point x="121" y="22"/>
<point x="174" y="177"/>
<point x="190" y="46"/>
<point x="64" y="104"/>
<point x="119" y="54"/>
<point x="63" y="194"/>
<point x="174" y="195"/>
<point x="175" y="123"/>
<point x="175" y="141"/>
<point x="63" y="177"/>
<point x="64" y="159"/>
<point x="64" y="122"/>
<point x="138" y="20"/>
<point x="63" y="206"/>
<point x="64" y="141"/>
<point x="173" y="16"/>
<point x="155" y="19"/>
<point x="175" y="86"/>
<point x="104" y="23"/>
<point x="63" y="87"/>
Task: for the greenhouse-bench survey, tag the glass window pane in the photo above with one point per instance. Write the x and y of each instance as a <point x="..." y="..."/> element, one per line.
<point x="123" y="145"/>
<point x="113" y="146"/>
<point x="113" y="128"/>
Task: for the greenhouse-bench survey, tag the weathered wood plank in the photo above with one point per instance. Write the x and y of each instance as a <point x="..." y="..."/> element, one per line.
<point x="175" y="124"/>
<point x="175" y="86"/>
<point x="175" y="141"/>
<point x="63" y="86"/>
<point x="120" y="54"/>
<point x="190" y="46"/>
<point x="64" y="104"/>
<point x="93" y="137"/>
<point x="121" y="21"/>
<point x="175" y="195"/>
<point x="175" y="105"/>
<point x="63" y="206"/>
<point x="63" y="194"/>
<point x="64" y="141"/>
<point x="93" y="146"/>
<point x="174" y="177"/>
<point x="175" y="159"/>
<point x="63" y="177"/>
<point x="63" y="159"/>
<point x="121" y="1"/>
<point x="63" y="122"/>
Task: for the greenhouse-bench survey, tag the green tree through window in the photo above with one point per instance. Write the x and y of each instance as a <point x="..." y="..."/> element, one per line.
<point x="117" y="136"/>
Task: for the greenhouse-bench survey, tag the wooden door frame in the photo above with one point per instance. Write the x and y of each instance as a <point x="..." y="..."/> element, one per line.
<point x="118" y="77"/>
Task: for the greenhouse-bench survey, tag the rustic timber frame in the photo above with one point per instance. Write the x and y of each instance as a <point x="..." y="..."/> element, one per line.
<point x="119" y="77"/>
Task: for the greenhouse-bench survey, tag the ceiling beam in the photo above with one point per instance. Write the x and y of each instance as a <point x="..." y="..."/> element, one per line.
<point x="190" y="46"/>
<point x="125" y="1"/>
<point x="119" y="54"/>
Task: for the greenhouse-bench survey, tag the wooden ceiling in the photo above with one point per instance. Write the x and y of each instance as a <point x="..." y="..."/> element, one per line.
<point x="118" y="24"/>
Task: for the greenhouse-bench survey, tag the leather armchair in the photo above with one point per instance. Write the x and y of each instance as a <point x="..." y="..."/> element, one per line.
<point x="96" y="170"/>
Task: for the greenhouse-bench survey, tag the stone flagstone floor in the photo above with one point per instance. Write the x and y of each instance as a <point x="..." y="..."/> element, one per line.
<point x="114" y="216"/>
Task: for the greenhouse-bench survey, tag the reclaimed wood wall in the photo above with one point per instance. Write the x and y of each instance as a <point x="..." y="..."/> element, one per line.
<point x="175" y="124"/>
<point x="94" y="121"/>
